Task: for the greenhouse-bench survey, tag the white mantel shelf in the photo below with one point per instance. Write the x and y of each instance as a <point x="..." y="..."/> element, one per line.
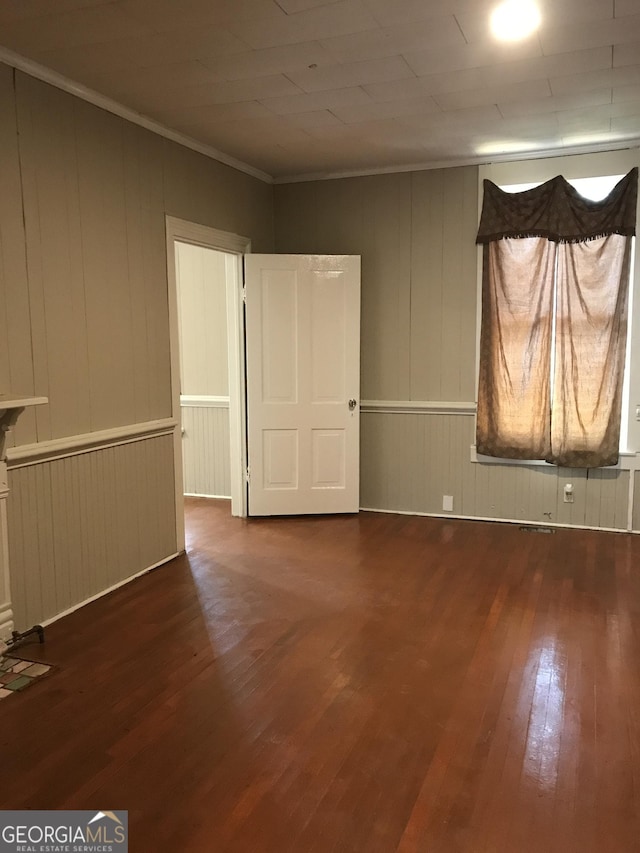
<point x="14" y="401"/>
<point x="11" y="407"/>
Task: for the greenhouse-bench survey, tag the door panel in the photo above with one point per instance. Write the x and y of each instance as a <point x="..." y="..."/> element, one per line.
<point x="279" y="334"/>
<point x="303" y="368"/>
<point x="328" y="338"/>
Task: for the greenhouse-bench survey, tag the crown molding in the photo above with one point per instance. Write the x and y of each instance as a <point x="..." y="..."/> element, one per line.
<point x="47" y="75"/>
<point x="545" y="154"/>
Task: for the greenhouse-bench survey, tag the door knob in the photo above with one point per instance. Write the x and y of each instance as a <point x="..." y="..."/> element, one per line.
<point x="352" y="404"/>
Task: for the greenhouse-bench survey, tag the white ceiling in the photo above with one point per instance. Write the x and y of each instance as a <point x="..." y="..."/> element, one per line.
<point x="300" y="87"/>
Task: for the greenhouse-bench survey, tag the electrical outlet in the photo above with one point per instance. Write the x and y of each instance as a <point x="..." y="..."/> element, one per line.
<point x="447" y="503"/>
<point x="568" y="493"/>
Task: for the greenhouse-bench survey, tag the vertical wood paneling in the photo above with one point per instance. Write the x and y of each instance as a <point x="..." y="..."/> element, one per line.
<point x="443" y="284"/>
<point x="416" y="235"/>
<point x="458" y="294"/>
<point x="81" y="524"/>
<point x="202" y="190"/>
<point x="202" y="308"/>
<point x="54" y="257"/>
<point x="88" y="227"/>
<point x="84" y="320"/>
<point x="386" y="286"/>
<point x="333" y="234"/>
<point x="10" y="209"/>
<point x="147" y="272"/>
<point x="16" y="364"/>
<point x="370" y="217"/>
<point x="428" y="195"/>
<point x="104" y="245"/>
<point x="576" y="512"/>
<point x="419" y="312"/>
<point x="206" y="451"/>
<point x="96" y="191"/>
<point x="607" y="498"/>
<point x="409" y="461"/>
<point x="469" y="308"/>
<point x="296" y="217"/>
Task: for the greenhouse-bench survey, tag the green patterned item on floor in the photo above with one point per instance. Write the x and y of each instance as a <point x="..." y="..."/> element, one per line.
<point x="16" y="674"/>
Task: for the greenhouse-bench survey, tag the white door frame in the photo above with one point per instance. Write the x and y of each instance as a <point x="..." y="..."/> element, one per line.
<point x="235" y="246"/>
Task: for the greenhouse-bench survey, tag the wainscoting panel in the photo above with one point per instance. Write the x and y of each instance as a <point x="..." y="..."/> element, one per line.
<point x="81" y="524"/>
<point x="409" y="461"/>
<point x="205" y="450"/>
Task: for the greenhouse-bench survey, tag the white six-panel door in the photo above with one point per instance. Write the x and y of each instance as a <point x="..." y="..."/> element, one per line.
<point x="303" y="383"/>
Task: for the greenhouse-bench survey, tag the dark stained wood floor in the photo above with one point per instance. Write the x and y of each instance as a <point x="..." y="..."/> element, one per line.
<point x="376" y="683"/>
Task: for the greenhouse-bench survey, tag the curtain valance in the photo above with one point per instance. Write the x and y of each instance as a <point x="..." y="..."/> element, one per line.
<point x="557" y="211"/>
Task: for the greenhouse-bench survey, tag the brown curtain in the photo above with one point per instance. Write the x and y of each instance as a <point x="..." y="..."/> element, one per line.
<point x="515" y="349"/>
<point x="542" y="245"/>
<point x="591" y="334"/>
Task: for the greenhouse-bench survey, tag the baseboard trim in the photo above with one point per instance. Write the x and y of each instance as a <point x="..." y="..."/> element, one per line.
<point x="104" y="592"/>
<point x="523" y="521"/>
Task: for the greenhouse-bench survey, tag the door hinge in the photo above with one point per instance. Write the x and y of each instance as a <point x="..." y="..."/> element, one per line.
<point x="244" y="294"/>
<point x="248" y="475"/>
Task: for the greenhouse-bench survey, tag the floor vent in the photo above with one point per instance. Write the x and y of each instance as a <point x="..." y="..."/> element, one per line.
<point x="530" y="529"/>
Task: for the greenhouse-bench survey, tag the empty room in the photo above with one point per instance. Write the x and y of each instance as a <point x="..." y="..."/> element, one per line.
<point x="320" y="409"/>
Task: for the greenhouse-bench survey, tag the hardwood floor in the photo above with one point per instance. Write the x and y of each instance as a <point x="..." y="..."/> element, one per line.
<point x="376" y="683"/>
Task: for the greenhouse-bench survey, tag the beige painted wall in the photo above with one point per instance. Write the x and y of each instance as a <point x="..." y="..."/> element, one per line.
<point x="16" y="363"/>
<point x="416" y="234"/>
<point x="85" y="321"/>
<point x="96" y="190"/>
<point x="202" y="310"/>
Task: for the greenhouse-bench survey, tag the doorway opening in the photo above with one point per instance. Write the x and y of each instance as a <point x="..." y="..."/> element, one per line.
<point x="206" y="316"/>
<point x="201" y="279"/>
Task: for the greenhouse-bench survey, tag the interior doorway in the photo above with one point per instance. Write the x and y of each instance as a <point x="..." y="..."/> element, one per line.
<point x="204" y="270"/>
<point x="201" y="280"/>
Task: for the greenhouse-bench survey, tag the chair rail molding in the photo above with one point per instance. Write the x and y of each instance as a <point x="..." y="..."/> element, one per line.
<point x="203" y="401"/>
<point x="58" y="448"/>
<point x="418" y="407"/>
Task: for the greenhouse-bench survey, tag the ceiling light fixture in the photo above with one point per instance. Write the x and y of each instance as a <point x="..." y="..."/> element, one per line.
<point x="515" y="19"/>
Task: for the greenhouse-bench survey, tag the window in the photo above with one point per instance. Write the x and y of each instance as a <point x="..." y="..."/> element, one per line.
<point x="595" y="189"/>
<point x="555" y="307"/>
